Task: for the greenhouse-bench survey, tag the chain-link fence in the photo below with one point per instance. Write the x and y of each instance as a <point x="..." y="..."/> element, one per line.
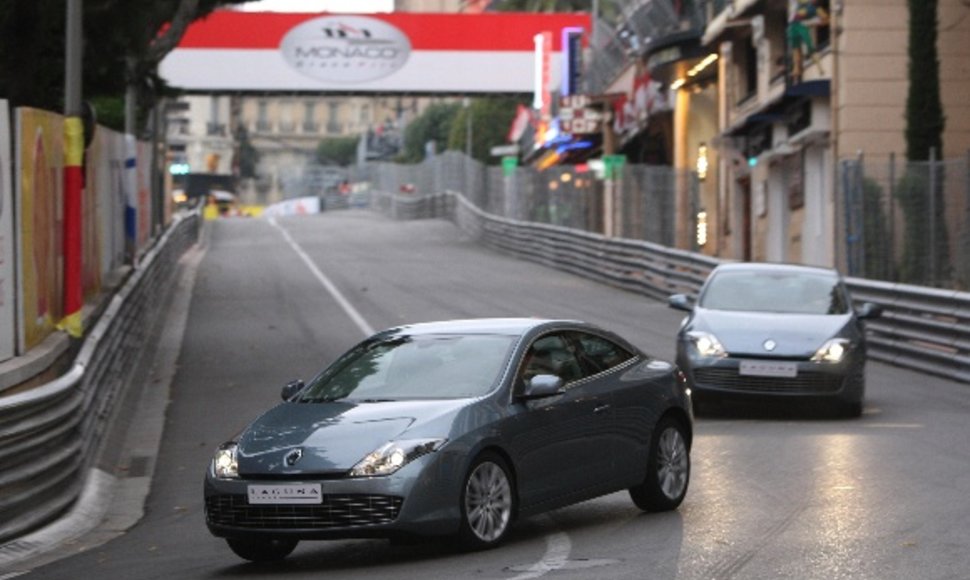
<point x="907" y="221"/>
<point x="570" y="196"/>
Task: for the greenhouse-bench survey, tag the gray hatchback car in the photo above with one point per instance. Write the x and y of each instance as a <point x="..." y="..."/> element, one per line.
<point x="454" y="428"/>
<point x="774" y="331"/>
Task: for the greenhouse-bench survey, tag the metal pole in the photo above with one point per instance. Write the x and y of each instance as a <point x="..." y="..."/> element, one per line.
<point x="932" y="216"/>
<point x="72" y="59"/>
<point x="892" y="217"/>
<point x="73" y="292"/>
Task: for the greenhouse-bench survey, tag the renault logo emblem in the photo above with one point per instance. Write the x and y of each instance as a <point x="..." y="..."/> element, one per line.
<point x="293" y="457"/>
<point x="770" y="345"/>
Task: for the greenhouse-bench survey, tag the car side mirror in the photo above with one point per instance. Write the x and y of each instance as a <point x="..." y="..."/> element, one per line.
<point x="868" y="311"/>
<point x="292" y="389"/>
<point x="541" y="386"/>
<point x="680" y="302"/>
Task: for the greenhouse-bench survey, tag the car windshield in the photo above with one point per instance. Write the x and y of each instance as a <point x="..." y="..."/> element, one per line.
<point x="414" y="367"/>
<point x="777" y="292"/>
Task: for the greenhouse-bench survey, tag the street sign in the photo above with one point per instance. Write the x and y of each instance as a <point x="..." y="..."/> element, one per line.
<point x="577" y="117"/>
<point x="503" y="150"/>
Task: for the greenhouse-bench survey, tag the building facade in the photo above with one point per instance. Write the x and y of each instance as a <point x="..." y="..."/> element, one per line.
<point x="765" y="100"/>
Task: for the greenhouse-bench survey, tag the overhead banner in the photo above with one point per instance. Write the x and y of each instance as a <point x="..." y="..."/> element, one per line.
<point x="8" y="284"/>
<point x="395" y="52"/>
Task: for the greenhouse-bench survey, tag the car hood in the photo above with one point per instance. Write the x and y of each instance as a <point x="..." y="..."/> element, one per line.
<point x="334" y="436"/>
<point x="794" y="335"/>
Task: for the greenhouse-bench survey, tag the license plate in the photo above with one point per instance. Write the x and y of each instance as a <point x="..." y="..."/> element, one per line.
<point x="302" y="493"/>
<point x="765" y="368"/>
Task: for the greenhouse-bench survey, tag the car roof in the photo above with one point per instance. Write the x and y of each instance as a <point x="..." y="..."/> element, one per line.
<point x="510" y="326"/>
<point x="774" y="267"/>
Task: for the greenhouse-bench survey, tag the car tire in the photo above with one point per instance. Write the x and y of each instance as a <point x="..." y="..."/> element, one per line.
<point x="668" y="469"/>
<point x="487" y="503"/>
<point x="262" y="550"/>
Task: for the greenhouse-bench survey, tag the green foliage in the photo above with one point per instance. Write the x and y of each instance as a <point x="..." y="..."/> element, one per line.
<point x="337" y="151"/>
<point x="432" y="125"/>
<point x="122" y="45"/>
<point x="926" y="250"/>
<point x="248" y="156"/>
<point x="924" y="110"/>
<point x="31" y="57"/>
<point x="877" y="245"/>
<point x="610" y="11"/>
<point x="490" y="119"/>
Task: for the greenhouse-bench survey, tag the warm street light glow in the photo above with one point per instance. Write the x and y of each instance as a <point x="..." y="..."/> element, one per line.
<point x="694" y="71"/>
<point x="702" y="163"/>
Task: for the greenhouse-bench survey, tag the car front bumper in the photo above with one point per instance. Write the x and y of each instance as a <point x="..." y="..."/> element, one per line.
<point x="722" y="377"/>
<point x="417" y="500"/>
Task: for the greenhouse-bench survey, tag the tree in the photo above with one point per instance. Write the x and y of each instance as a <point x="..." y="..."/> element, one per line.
<point x="610" y="11"/>
<point x="924" y="110"/>
<point x="924" y="133"/>
<point x="123" y="45"/>
<point x="337" y="151"/>
<point x="491" y="118"/>
<point x="247" y="157"/>
<point x="434" y="125"/>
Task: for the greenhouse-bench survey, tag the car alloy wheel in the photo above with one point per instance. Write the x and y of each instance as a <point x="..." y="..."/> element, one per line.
<point x="668" y="469"/>
<point x="486" y="503"/>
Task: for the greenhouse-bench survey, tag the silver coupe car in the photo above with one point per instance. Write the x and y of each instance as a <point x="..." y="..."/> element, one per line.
<point x="454" y="428"/>
<point x="782" y="331"/>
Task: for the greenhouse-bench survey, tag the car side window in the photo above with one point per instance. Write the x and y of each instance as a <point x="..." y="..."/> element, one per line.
<point x="551" y="355"/>
<point x="599" y="353"/>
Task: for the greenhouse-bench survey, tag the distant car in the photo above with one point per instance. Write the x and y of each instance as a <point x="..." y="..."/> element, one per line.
<point x="454" y="428"/>
<point x="762" y="330"/>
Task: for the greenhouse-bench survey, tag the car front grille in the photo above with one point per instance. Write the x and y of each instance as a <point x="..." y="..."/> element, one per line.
<point x="806" y="383"/>
<point x="336" y="511"/>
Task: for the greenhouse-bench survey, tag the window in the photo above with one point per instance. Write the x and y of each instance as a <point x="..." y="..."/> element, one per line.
<point x="262" y="116"/>
<point x="551" y="355"/>
<point x="414" y="367"/>
<point x="309" y="114"/>
<point x="599" y="353"/>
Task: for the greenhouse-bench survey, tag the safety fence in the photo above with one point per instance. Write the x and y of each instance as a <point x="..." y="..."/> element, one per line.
<point x="922" y="328"/>
<point x="50" y="434"/>
<point x="907" y="221"/>
<point x="563" y="195"/>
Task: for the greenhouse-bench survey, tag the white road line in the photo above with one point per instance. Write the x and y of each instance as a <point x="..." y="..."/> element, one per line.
<point x="343" y="302"/>
<point x="558" y="547"/>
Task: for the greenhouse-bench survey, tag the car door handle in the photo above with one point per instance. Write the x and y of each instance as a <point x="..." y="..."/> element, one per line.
<point x="601" y="408"/>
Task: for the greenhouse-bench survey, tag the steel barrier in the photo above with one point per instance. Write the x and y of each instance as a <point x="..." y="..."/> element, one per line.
<point x="50" y="435"/>
<point x="924" y="329"/>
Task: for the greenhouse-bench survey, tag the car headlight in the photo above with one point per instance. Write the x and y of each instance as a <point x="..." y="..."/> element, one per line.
<point x="224" y="463"/>
<point x="833" y="351"/>
<point x="707" y="344"/>
<point x="392" y="456"/>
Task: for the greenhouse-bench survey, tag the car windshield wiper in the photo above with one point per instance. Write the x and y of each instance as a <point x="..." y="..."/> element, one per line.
<point x="376" y="400"/>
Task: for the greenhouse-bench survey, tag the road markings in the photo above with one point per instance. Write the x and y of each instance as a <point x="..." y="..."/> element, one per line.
<point x="352" y="312"/>
<point x="558" y="545"/>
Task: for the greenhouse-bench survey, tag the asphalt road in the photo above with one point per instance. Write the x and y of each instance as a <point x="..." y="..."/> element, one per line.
<point x="774" y="494"/>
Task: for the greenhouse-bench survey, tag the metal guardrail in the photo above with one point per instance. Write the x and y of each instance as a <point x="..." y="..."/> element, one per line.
<point x="50" y="435"/>
<point x="922" y="328"/>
